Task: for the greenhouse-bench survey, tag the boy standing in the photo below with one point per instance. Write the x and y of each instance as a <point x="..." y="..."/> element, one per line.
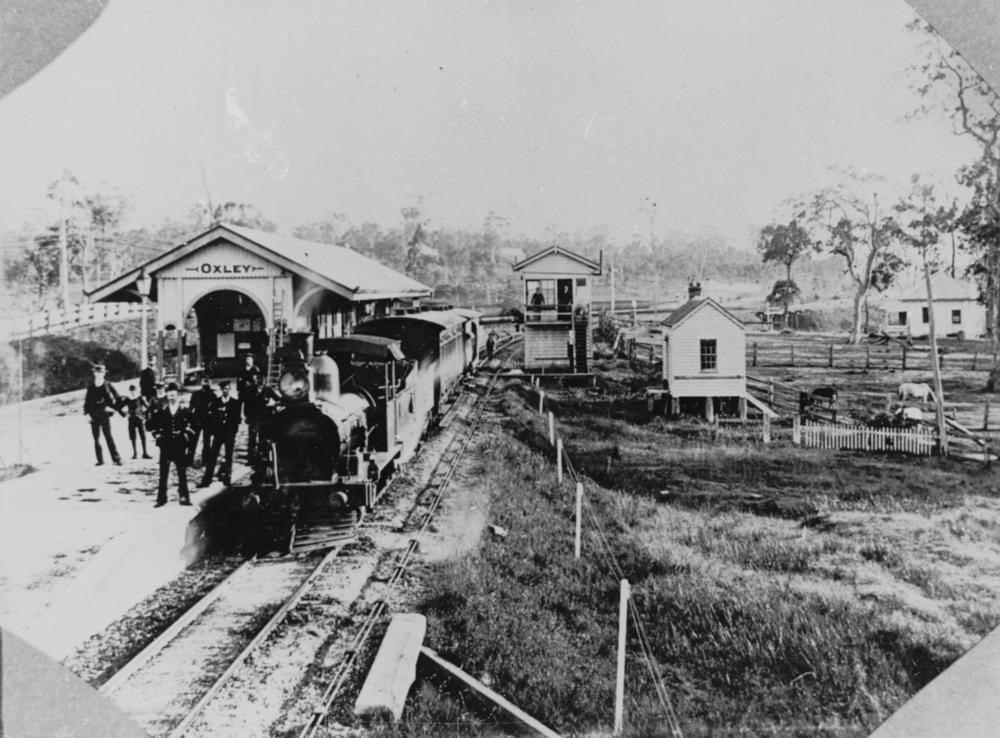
<point x="138" y="407"/>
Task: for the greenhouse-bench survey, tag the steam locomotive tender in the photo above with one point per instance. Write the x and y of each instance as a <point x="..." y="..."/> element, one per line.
<point x="348" y="418"/>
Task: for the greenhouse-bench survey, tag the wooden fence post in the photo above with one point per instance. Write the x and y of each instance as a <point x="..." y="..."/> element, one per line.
<point x="620" y="675"/>
<point x="766" y="429"/>
<point x="986" y="415"/>
<point x="754" y="362"/>
<point x="792" y="347"/>
<point x="579" y="517"/>
<point x="975" y="355"/>
<point x="986" y="450"/>
<point x="868" y="356"/>
<point x="831" y="356"/>
<point x="904" y="357"/>
<point x="770" y="392"/>
<point x="552" y="427"/>
<point x="559" y="460"/>
<point x="796" y="430"/>
<point x="541" y="400"/>
<point x="888" y="402"/>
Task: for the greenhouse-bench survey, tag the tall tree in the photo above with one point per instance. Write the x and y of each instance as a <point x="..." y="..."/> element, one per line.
<point x="947" y="84"/>
<point x="784" y="244"/>
<point x="861" y="232"/>
<point x="330" y="229"/>
<point x="234" y="213"/>
<point x="921" y="221"/>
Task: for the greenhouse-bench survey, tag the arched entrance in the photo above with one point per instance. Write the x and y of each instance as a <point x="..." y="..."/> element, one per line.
<point x="230" y="325"/>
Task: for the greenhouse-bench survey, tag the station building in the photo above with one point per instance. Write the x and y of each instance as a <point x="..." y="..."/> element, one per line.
<point x="232" y="290"/>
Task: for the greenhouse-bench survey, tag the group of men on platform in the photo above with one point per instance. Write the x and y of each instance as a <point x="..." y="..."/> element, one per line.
<point x="213" y="414"/>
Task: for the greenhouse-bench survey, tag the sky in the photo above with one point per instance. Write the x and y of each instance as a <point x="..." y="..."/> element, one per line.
<point x="551" y="114"/>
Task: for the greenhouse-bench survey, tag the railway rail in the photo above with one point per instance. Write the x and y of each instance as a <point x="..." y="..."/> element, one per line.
<point x="435" y="491"/>
<point x="167" y="690"/>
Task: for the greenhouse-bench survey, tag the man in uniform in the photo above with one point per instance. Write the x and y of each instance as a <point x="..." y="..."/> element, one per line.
<point x="159" y="397"/>
<point x="226" y="421"/>
<point x="171" y="426"/>
<point x="201" y="405"/>
<point x="147" y="381"/>
<point x="247" y="379"/>
<point x="254" y="410"/>
<point x="100" y="403"/>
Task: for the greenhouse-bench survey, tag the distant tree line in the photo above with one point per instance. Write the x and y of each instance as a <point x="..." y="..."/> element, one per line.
<point x="464" y="265"/>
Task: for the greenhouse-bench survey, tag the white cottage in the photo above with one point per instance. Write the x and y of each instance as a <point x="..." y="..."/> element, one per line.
<point x="704" y="358"/>
<point x="956" y="309"/>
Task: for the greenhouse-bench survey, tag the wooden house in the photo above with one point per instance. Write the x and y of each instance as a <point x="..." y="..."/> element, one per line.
<point x="957" y="309"/>
<point x="558" y="330"/>
<point x="704" y="358"/>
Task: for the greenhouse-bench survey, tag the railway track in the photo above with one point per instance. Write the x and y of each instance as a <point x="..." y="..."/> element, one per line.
<point x="429" y="500"/>
<point x="165" y="688"/>
<point x="197" y="662"/>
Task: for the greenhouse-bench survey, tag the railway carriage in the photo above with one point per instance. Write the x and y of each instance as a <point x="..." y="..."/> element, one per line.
<point x="444" y="343"/>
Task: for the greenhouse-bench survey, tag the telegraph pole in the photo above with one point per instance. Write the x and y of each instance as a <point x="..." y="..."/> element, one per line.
<point x="63" y="249"/>
<point x="935" y="365"/>
<point x="611" y="266"/>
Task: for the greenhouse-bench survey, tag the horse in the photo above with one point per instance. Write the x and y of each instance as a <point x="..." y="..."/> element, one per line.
<point x="827" y="395"/>
<point x="916" y="390"/>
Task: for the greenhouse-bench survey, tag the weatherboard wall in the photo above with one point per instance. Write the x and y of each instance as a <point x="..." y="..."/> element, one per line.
<point x="685" y="376"/>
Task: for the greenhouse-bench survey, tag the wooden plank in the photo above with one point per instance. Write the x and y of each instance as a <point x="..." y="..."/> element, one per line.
<point x="482" y="690"/>
<point x="394" y="669"/>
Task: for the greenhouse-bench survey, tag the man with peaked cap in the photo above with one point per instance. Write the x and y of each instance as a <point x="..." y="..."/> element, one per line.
<point x="201" y="405"/>
<point x="226" y="421"/>
<point x="246" y="381"/>
<point x="172" y="426"/>
<point x="99" y="404"/>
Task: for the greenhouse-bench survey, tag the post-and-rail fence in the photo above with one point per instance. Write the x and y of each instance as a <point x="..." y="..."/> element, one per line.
<point x="820" y="354"/>
<point x="56" y="321"/>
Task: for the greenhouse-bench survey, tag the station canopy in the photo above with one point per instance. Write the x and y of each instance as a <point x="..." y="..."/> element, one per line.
<point x="341" y="270"/>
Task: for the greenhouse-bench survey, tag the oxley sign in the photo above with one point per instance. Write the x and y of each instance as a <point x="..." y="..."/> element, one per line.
<point x="209" y="268"/>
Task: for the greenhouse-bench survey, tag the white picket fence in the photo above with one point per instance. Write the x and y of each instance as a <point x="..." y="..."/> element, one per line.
<point x="918" y="441"/>
<point x="55" y="321"/>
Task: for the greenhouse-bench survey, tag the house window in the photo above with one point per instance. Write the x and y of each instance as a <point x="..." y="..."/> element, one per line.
<point x="902" y="318"/>
<point x="925" y="315"/>
<point x="709" y="356"/>
<point x="956" y="317"/>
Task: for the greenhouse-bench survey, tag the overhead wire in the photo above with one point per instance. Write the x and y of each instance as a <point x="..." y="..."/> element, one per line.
<point x="612" y="563"/>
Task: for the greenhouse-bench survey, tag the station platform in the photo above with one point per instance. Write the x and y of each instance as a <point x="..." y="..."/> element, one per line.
<point x="80" y="544"/>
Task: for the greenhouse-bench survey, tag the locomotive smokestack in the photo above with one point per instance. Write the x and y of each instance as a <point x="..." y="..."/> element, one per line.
<point x="325" y="378"/>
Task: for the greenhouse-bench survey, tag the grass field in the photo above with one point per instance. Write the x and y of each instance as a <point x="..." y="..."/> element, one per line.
<point x="786" y="591"/>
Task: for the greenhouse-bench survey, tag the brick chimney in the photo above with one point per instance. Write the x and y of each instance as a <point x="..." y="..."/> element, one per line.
<point x="694" y="290"/>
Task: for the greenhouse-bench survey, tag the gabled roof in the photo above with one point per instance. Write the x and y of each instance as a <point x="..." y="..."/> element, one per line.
<point x="342" y="270"/>
<point x="691" y="307"/>
<point x="943" y="287"/>
<point x="594" y="266"/>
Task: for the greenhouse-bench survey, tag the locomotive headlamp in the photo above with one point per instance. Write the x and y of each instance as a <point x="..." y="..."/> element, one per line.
<point x="294" y="386"/>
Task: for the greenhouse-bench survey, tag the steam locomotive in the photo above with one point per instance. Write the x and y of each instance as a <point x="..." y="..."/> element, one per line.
<point x="352" y="411"/>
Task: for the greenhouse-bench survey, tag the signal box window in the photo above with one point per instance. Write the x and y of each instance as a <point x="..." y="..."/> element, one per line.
<point x="956" y="317"/>
<point x="925" y="315"/>
<point x="709" y="355"/>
